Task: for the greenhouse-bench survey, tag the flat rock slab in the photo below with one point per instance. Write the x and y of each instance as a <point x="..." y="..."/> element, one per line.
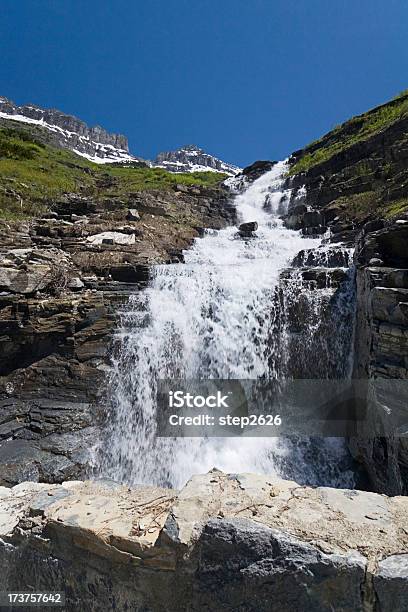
<point x="224" y="542"/>
<point x="334" y="520"/>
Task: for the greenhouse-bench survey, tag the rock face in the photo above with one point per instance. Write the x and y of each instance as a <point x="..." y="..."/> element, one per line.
<point x="72" y="133"/>
<point x="359" y="195"/>
<point x="382" y="349"/>
<point x="224" y="542"/>
<point x="255" y="170"/>
<point x="191" y="158"/>
<point x="62" y="280"/>
<point x="360" y="183"/>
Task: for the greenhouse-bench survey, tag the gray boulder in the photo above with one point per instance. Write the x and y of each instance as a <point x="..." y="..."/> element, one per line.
<point x="391" y="583"/>
<point x="249" y="566"/>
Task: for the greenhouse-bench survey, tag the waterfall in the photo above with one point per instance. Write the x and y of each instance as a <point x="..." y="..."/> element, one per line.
<point x="217" y="315"/>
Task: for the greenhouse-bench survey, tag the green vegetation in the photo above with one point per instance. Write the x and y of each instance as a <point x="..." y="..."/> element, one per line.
<point x="357" y="206"/>
<point x="33" y="174"/>
<point x="403" y="93"/>
<point x="396" y="208"/>
<point x="351" y="132"/>
<point x="141" y="179"/>
<point x="14" y="144"/>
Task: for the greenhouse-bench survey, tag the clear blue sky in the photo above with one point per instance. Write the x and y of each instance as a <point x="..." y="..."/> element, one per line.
<point x="245" y="79"/>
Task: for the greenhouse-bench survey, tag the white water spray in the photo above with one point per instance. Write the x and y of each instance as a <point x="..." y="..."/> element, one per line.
<point x="209" y="317"/>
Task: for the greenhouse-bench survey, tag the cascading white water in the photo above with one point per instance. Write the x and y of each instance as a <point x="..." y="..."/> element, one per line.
<point x="209" y="317"/>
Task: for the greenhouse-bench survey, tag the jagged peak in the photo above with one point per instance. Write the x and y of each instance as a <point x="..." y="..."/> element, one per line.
<point x="192" y="158"/>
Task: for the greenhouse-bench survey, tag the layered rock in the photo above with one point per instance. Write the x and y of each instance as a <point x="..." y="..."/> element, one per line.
<point x="315" y="296"/>
<point x="355" y="189"/>
<point x="238" y="541"/>
<point x="62" y="280"/>
<point x="362" y="181"/>
<point x="382" y="350"/>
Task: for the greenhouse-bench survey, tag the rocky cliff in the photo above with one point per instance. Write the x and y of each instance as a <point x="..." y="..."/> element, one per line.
<point x="224" y="542"/>
<point x="354" y="183"/>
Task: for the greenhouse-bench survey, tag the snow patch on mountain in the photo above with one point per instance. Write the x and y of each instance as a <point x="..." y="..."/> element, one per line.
<point x="103" y="153"/>
<point x="191" y="158"/>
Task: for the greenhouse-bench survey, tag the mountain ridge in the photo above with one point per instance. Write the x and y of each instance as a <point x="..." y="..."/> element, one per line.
<point x="191" y="158"/>
<point x="99" y="146"/>
<point x="94" y="143"/>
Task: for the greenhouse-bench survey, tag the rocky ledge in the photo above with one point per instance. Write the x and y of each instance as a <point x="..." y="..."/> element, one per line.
<point x="224" y="542"/>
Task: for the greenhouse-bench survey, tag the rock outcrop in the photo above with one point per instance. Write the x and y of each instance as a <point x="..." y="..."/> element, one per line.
<point x="224" y="542"/>
<point x="354" y="176"/>
<point x="257" y="169"/>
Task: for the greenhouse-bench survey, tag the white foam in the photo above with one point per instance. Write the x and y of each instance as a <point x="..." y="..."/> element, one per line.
<point x="207" y="318"/>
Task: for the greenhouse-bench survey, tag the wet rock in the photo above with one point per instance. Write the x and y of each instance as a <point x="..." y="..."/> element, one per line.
<point x="314" y="231"/>
<point x="257" y="169"/>
<point x="294" y="221"/>
<point x="299" y="210"/>
<point x="126" y="273"/>
<point x="311" y="222"/>
<point x="316" y="278"/>
<point x="247" y="230"/>
<point x="335" y="257"/>
<point x="312" y="219"/>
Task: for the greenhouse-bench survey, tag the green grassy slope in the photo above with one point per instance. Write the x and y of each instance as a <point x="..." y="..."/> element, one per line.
<point x="360" y="169"/>
<point x="354" y="130"/>
<point x="33" y="173"/>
